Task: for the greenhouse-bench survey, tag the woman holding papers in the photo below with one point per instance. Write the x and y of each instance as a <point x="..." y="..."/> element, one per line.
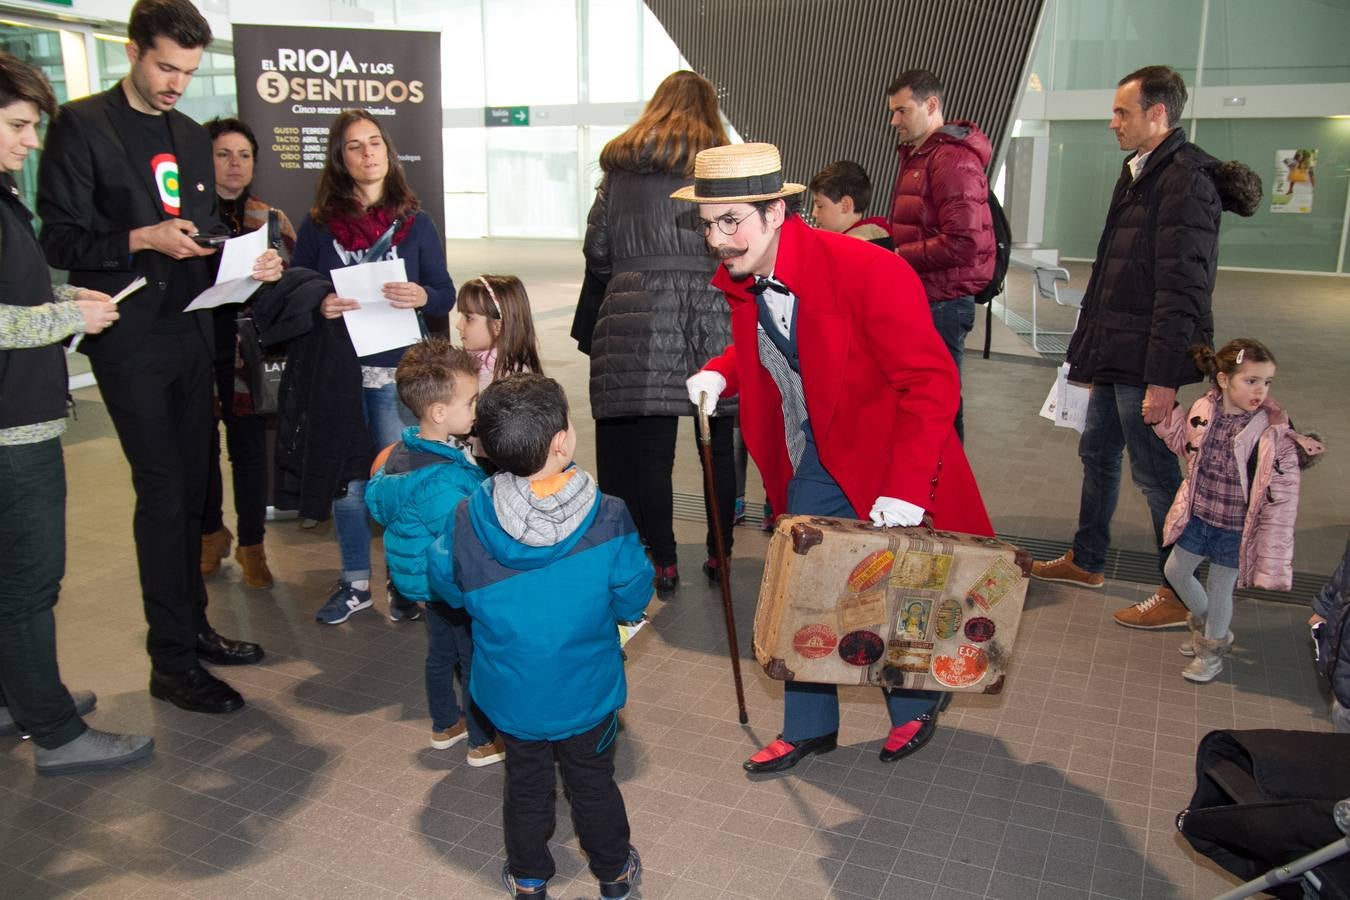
<point x="34" y="319"/>
<point x="234" y="149"/>
<point x="365" y="212"/>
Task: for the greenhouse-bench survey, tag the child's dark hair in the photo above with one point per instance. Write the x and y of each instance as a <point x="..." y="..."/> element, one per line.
<point x="1239" y="187"/>
<point x="841" y="179"/>
<point x="502" y="299"/>
<point x="1230" y="357"/>
<point x="518" y="417"/>
<point x="426" y="373"/>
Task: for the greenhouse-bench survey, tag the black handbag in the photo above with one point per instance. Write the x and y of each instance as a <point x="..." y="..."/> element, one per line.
<point x="263" y="368"/>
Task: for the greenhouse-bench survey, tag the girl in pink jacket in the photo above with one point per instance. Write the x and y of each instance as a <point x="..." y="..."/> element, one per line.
<point x="1238" y="503"/>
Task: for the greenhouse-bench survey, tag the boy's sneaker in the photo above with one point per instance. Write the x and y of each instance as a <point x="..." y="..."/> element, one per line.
<point x="623" y="886"/>
<point x="494" y="751"/>
<point x="401" y="609"/>
<point x="340" y="604"/>
<point x="449" y="737"/>
<point x="524" y="888"/>
<point x="1065" y="571"/>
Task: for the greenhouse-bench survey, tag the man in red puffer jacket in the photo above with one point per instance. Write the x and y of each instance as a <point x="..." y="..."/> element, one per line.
<point x="940" y="218"/>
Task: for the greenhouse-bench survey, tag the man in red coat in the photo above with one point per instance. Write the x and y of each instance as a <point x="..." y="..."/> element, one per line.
<point x="940" y="220"/>
<point x="847" y="395"/>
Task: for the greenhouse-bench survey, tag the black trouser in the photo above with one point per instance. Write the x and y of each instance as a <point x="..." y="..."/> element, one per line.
<point x="246" y="440"/>
<point x="634" y="459"/>
<point x="598" y="814"/>
<point x="159" y="399"/>
<point x="33" y="559"/>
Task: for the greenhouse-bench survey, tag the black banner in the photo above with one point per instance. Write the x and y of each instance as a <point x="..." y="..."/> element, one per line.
<point x="293" y="81"/>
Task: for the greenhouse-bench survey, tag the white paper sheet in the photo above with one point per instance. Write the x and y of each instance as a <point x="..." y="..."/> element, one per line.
<point x="234" y="279"/>
<point x="376" y="326"/>
<point x="1066" y="404"/>
<point x="136" y="284"/>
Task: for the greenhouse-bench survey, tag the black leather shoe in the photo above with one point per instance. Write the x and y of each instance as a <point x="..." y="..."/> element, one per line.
<point x="223" y="651"/>
<point x="195" y="690"/>
<point x="782" y="755"/>
<point x="927" y="728"/>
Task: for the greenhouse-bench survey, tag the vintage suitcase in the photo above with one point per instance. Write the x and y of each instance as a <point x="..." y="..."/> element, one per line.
<point x="844" y="602"/>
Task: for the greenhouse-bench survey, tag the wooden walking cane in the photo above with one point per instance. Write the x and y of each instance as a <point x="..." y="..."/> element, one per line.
<point x="723" y="568"/>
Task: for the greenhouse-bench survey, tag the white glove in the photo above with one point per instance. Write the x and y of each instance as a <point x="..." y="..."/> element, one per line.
<point x="705" y="382"/>
<point x="888" y="511"/>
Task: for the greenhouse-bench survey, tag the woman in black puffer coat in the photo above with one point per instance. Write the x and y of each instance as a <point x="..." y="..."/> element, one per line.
<point x="660" y="320"/>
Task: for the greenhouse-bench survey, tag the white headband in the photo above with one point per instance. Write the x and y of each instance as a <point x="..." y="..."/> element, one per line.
<point x="496" y="309"/>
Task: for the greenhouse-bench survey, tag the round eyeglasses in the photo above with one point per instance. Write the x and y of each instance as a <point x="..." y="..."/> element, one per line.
<point x="727" y="224"/>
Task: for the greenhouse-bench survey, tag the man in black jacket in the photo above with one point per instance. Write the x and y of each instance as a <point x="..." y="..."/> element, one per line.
<point x="124" y="183"/>
<point x="1147" y="302"/>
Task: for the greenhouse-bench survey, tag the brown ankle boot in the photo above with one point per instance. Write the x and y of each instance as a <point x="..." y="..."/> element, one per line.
<point x="254" y="563"/>
<point x="215" y="547"/>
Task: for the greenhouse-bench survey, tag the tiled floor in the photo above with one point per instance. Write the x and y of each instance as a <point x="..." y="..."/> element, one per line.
<point x="1065" y="785"/>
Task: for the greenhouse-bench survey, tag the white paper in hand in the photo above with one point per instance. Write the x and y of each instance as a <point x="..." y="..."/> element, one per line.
<point x="234" y="279"/>
<point x="1066" y="404"/>
<point x="376" y="326"/>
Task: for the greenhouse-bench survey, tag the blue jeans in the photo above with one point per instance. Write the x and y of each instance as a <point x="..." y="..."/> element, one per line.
<point x="385" y="416"/>
<point x="450" y="644"/>
<point x="1114" y="426"/>
<point x="811" y="710"/>
<point x="953" y="320"/>
<point x="33" y="534"/>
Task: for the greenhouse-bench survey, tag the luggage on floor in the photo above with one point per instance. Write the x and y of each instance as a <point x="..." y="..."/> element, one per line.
<point x="844" y="602"/>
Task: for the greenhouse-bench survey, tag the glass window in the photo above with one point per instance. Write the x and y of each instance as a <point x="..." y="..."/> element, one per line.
<point x="532" y="182"/>
<point x="1084" y="163"/>
<point x="1293" y="42"/>
<point x="461" y="24"/>
<point x="1097" y="43"/>
<point x="530" y="52"/>
<point x="613" y="72"/>
<point x="1270" y="240"/>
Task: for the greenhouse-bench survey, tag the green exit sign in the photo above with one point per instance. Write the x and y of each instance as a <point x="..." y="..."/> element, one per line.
<point x="506" y="116"/>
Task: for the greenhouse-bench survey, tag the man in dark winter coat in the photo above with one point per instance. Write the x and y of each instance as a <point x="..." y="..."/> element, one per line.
<point x="1147" y="302"/>
<point x="940" y="219"/>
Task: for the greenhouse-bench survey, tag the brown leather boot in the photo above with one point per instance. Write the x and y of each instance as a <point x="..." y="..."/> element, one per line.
<point x="253" y="561"/>
<point x="215" y="547"/>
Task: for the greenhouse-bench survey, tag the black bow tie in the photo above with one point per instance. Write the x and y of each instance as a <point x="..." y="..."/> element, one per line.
<point x="769" y="284"/>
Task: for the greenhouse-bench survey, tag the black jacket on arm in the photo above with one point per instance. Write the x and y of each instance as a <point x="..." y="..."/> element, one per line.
<point x="1148" y="298"/>
<point x="660" y="319"/>
<point x="91" y="194"/>
<point x="322" y="438"/>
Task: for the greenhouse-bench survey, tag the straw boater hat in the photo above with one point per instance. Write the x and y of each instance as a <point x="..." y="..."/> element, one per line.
<point x="738" y="173"/>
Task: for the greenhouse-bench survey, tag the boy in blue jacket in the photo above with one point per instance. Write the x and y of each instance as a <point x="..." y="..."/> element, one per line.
<point x="546" y="566"/>
<point x="413" y="490"/>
